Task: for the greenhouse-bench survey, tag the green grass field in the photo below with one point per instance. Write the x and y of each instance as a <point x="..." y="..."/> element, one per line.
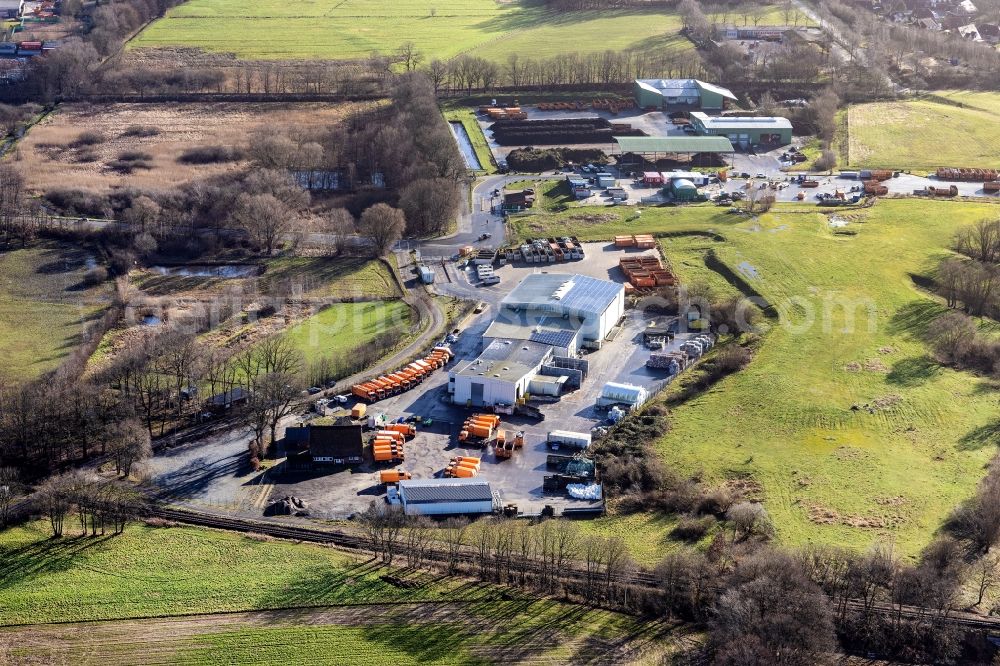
<point x="191" y="588"/>
<point x="156" y="571"/>
<point x="926" y="133"/>
<point x="353" y="29"/>
<point x="827" y="473"/>
<point x="322" y="277"/>
<point x="43" y="307"/>
<point x="345" y="326"/>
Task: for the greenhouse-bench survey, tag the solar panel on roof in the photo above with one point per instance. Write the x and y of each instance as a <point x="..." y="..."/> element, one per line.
<point x="553" y="338"/>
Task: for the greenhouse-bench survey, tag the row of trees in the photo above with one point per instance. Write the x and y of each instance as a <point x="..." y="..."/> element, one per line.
<point x="500" y="550"/>
<point x="972" y="280"/>
<point x="62" y="420"/>
<point x="761" y="605"/>
<point x="100" y="504"/>
<point x="468" y="73"/>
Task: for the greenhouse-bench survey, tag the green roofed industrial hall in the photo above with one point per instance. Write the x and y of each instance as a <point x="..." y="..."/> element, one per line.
<point x="653" y="148"/>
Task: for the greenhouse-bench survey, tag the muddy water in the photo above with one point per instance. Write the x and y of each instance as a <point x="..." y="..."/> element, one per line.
<point x="465" y="145"/>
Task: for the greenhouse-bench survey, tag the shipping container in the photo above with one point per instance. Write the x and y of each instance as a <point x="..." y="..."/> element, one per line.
<point x="568" y="439"/>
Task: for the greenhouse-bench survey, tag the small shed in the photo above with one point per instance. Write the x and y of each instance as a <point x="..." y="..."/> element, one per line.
<point x="426" y="274"/>
<point x="223" y="401"/>
<point x="652" y="178"/>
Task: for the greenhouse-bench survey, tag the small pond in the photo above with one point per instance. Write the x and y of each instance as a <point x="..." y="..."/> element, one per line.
<point x="205" y="270"/>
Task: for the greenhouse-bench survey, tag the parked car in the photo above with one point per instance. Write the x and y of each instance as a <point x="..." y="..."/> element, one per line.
<point x="313" y="390"/>
<point x="761" y="174"/>
<point x="342" y="398"/>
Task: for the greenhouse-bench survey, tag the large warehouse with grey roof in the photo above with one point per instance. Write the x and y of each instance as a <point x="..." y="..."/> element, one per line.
<point x="547" y="317"/>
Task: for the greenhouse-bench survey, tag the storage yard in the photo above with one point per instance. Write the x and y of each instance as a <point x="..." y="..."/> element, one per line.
<point x="415" y="431"/>
<point x="523" y="132"/>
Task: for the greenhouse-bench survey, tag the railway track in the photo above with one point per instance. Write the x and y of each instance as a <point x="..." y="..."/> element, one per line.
<point x="353" y="542"/>
<point x="639" y="579"/>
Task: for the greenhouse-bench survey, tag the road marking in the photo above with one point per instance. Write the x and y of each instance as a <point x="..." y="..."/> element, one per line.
<point x="265" y="491"/>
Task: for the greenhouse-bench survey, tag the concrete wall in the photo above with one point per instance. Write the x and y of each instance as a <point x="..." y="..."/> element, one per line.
<point x="575" y="380"/>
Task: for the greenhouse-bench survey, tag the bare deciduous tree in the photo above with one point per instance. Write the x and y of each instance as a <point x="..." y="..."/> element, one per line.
<point x="11" y="489"/>
<point x="263" y="216"/>
<point x="980" y="241"/>
<point x="128" y="442"/>
<point x="383" y="225"/>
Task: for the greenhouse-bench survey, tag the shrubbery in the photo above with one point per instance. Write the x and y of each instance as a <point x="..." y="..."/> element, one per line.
<point x="88" y="138"/>
<point x="210" y="155"/>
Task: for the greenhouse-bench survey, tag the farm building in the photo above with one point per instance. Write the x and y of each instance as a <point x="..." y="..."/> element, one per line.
<point x="768" y="32"/>
<point x="541" y="325"/>
<point x="744" y="131"/>
<point x="224" y="401"/>
<point x="518" y="201"/>
<point x="674" y="94"/>
<point x="445" y="497"/>
<point x="312" y="446"/>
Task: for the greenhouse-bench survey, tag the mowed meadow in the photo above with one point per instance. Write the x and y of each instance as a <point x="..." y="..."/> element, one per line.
<point x="950" y="129"/>
<point x="842" y="424"/>
<point x="197" y="596"/>
<point x="46" y="302"/>
<point x="354" y="29"/>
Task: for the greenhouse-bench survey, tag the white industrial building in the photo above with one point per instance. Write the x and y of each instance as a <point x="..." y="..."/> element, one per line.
<point x="445" y="497"/>
<point x="563" y="302"/>
<point x="547" y="317"/>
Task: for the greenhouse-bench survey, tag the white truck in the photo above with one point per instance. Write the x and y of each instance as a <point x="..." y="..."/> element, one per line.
<point x="557" y="439"/>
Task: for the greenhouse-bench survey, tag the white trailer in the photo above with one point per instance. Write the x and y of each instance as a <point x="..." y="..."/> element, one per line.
<point x="557" y="439"/>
